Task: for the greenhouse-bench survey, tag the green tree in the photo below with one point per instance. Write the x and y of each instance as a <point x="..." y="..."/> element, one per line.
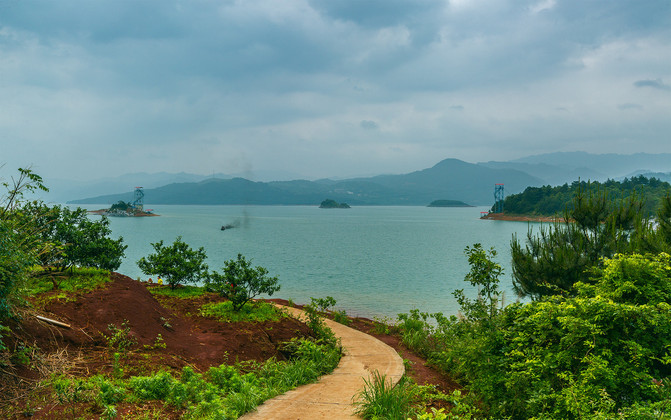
<point x="14" y="262"/>
<point x="664" y="221"/>
<point x="594" y="227"/>
<point x="16" y="251"/>
<point x="177" y="263"/>
<point x="240" y="282"/>
<point x="484" y="274"/>
<point x="69" y="238"/>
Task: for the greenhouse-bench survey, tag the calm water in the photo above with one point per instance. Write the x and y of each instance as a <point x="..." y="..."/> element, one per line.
<point x="375" y="261"/>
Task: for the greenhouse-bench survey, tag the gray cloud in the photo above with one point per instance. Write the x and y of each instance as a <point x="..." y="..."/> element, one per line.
<point x="655" y="84"/>
<point x="369" y="125"/>
<point x="624" y="107"/>
<point x="194" y="86"/>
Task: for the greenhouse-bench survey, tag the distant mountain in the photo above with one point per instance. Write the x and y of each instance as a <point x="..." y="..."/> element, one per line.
<point x="566" y="167"/>
<point x="550" y="174"/>
<point x="449" y="179"/>
<point x="63" y="190"/>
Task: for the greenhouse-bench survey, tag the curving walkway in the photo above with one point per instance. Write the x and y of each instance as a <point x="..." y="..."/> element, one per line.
<point x="333" y="395"/>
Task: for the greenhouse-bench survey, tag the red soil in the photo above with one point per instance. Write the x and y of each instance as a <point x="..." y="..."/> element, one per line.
<point x="190" y="339"/>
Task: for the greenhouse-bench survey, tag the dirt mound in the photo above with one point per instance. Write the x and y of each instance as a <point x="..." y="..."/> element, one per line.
<point x="189" y="338"/>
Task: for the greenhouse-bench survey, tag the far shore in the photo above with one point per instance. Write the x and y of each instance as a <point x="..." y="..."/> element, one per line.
<point x="521" y="218"/>
<point x="106" y="212"/>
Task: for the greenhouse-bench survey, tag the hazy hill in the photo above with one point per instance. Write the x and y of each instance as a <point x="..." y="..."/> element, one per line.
<point x="449" y="179"/>
<point x="566" y="167"/>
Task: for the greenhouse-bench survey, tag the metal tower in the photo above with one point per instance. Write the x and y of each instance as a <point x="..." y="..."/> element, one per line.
<point x="498" y="198"/>
<point x="138" y="199"/>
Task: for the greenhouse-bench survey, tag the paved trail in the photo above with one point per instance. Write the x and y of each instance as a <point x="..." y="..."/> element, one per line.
<point x="332" y="397"/>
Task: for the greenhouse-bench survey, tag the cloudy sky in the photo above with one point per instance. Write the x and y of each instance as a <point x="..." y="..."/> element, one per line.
<point x="326" y="87"/>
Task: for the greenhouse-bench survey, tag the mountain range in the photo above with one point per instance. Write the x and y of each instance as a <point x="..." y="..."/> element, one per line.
<point x="450" y="179"/>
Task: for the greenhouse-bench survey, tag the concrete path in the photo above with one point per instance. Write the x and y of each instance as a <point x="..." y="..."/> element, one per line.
<point x="333" y="396"/>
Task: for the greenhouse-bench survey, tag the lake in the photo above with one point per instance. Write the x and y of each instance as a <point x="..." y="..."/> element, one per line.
<point x="375" y="261"/>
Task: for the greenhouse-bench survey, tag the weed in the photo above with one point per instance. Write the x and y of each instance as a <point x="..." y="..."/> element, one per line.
<point x="382" y="325"/>
<point x="159" y="343"/>
<point x="70" y="392"/>
<point x="260" y="311"/>
<point x="181" y="291"/>
<point x="120" y="338"/>
<point x="117" y="370"/>
<point x="322" y="304"/>
<point x="381" y="399"/>
<point x="166" y="323"/>
<point x="23" y="355"/>
<point x="341" y="317"/>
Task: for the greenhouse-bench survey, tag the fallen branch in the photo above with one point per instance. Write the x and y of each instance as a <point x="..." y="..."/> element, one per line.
<point x="51" y="321"/>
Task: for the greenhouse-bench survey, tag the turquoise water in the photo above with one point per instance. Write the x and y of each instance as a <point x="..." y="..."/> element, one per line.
<point x="375" y="261"/>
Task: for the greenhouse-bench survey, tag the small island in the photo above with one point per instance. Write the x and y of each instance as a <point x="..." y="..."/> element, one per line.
<point x="332" y="204"/>
<point x="448" y="203"/>
<point x="124" y="209"/>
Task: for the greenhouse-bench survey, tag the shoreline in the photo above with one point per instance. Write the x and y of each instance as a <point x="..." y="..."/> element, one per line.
<point x="106" y="212"/>
<point x="521" y="218"/>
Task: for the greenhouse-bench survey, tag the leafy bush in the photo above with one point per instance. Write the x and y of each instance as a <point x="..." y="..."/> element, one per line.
<point x="226" y="392"/>
<point x="601" y="354"/>
<point x="240" y="282"/>
<point x="178" y="263"/>
<point x="594" y="227"/>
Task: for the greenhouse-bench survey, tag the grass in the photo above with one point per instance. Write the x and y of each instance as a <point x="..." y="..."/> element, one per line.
<point x="380" y="399"/>
<point x="179" y="292"/>
<point x="256" y="312"/>
<point x="78" y="279"/>
<point x="223" y="392"/>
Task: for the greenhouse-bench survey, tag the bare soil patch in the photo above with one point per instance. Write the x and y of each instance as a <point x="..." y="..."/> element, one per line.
<point x="190" y="340"/>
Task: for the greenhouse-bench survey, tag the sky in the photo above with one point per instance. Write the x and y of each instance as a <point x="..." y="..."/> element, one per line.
<point x="326" y="88"/>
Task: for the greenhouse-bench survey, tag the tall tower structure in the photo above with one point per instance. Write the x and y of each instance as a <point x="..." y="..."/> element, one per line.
<point x="498" y="198"/>
<point x="138" y="199"/>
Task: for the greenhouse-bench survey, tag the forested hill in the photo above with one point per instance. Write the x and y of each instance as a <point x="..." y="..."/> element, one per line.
<point x="450" y="179"/>
<point x="548" y="201"/>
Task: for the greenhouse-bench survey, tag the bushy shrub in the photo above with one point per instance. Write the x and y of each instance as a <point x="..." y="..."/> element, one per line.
<point x="602" y="354"/>
<point x="240" y="282"/>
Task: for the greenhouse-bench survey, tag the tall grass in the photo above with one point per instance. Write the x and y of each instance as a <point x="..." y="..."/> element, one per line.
<point x="381" y="400"/>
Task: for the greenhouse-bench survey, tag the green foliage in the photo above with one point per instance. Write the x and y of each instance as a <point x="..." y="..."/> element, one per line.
<point x="258" y="312"/>
<point x="382" y="325"/>
<point x="594" y="227"/>
<point x="379" y="399"/>
<point x="605" y="353"/>
<point x="227" y="392"/>
<point x="79" y="279"/>
<point x="549" y="201"/>
<point x="484" y="274"/>
<point x="341" y="317"/>
<point x="664" y="220"/>
<point x="120" y="338"/>
<point x="322" y="304"/>
<point x="635" y="279"/>
<point x="183" y="292"/>
<point x="17" y="252"/>
<point x="70" y="392"/>
<point x="72" y="238"/>
<point x="315" y="320"/>
<point x="240" y="282"/>
<point x="177" y="263"/>
<point x="14" y="264"/>
<point x="121" y="206"/>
